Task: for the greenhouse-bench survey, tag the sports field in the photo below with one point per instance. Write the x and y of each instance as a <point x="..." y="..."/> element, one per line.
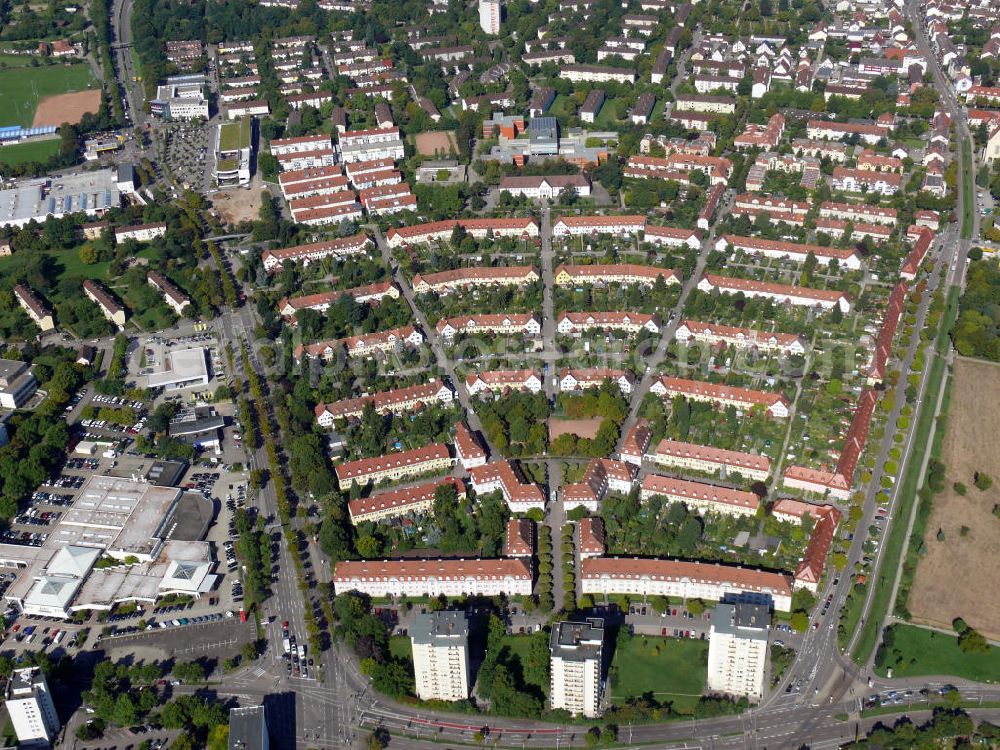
<point x="21" y="153"/>
<point x="22" y="88"/>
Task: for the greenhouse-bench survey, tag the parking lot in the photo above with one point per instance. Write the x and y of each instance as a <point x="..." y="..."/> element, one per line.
<point x="186" y="152"/>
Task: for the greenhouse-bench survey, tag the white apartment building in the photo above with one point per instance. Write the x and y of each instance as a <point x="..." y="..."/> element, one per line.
<point x="737" y="649"/>
<point x="381" y="578"/>
<point x="440" y="643"/>
<point x="489" y="16"/>
<point x="575" y="658"/>
<point x="29" y="704"/>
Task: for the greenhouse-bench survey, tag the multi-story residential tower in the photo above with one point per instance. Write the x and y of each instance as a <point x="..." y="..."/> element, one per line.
<point x="737" y="649"/>
<point x="441" y="656"/>
<point x="575" y="653"/>
<point x="30" y="706"/>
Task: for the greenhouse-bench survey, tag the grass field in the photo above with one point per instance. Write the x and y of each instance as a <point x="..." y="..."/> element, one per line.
<point x="20" y="89"/>
<point x="942" y="589"/>
<point x="520" y="645"/>
<point x="21" y="153"/>
<point x="927" y="653"/>
<point x="400" y="647"/>
<point x="8" y="60"/>
<point x="896" y="538"/>
<point x="675" y="673"/>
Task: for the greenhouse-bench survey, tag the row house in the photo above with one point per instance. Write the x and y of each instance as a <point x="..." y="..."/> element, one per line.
<point x="509" y="576"/>
<point x="300" y="183"/>
<point x="643" y="577"/>
<point x="377" y="178"/>
<point x="372" y="143"/>
<point x="407" y="501"/>
<point x="636" y="442"/>
<point x="446" y="282"/>
<point x="774" y="404"/>
<point x="720" y="105"/>
<point x="519" y="494"/>
<point x="673" y="237"/>
<point x="869" y="160"/>
<point x="35" y="307"/>
<point x="777" y="209"/>
<point x="705" y="498"/>
<point x="603" y="475"/>
<point x="717" y="169"/>
<point x="558" y="56"/>
<point x="705" y="84"/>
<point x="709" y="460"/>
<point x="394" y="467"/>
<point x="761" y="136"/>
<point x="315" y="158"/>
<point x="618" y="273"/>
<point x="575" y="323"/>
<point x="596" y="74"/>
<point x="387" y="198"/>
<point x="810" y="569"/>
<point x="396" y="401"/>
<point x="141" y="232"/>
<point x="254" y="108"/>
<point x="440" y="231"/>
<point x="592" y="105"/>
<point x="501" y="381"/>
<point x="573" y="380"/>
<point x="781" y="293"/>
<point x="847" y="258"/>
<point x="864" y="180"/>
<point x="590" y="541"/>
<point x="887" y="333"/>
<point x="498" y="324"/>
<point x="469" y="449"/>
<point x="546" y="187"/>
<point x="712" y="200"/>
<point x="110" y="307"/>
<point x="915" y="258"/>
<point x="172" y="295"/>
<point x="834" y="131"/>
<point x="369" y="294"/>
<point x="835" y="152"/>
<point x="361" y="346"/>
<point x="716" y="334"/>
<point x="858" y="212"/>
<point x="314" y="99"/>
<point x="300" y="144"/>
<point x="519" y="539"/>
<point x="342" y="247"/>
<point x="301" y="207"/>
<point x="986" y="94"/>
<point x="572" y="226"/>
<point x="690" y="119"/>
<point x="327" y="215"/>
<point x="238" y="95"/>
<point x="878" y="232"/>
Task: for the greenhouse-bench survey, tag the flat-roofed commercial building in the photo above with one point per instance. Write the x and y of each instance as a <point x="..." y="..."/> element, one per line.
<point x="233" y="152"/>
<point x="93" y="193"/>
<point x="440" y="645"/>
<point x="183" y="368"/>
<point x="17" y="383"/>
<point x="248" y="729"/>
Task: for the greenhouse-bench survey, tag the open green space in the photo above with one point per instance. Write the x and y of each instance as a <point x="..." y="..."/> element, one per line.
<point x="21" y="89"/>
<point x="520" y="646"/>
<point x="895" y="540"/>
<point x="22" y="153"/>
<point x="401" y="647"/>
<point x="608" y="117"/>
<point x="8" y="60"/>
<point x="929" y="653"/>
<point x="672" y="669"/>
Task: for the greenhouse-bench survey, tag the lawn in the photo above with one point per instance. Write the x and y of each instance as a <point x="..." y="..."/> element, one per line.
<point x="927" y="652"/>
<point x="609" y="116"/>
<point x="20" y="89"/>
<point x="520" y="646"/>
<point x="21" y="153"/>
<point x="401" y="647"/>
<point x="674" y="673"/>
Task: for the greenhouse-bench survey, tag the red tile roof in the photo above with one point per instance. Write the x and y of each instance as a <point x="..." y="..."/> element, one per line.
<point x="735" y="460"/>
<point x="699" y="491"/>
<point x="402" y="498"/>
<point x="419" y="570"/>
<point x="632" y="568"/>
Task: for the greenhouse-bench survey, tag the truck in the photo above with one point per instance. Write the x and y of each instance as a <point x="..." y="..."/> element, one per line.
<point x="286" y="644"/>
